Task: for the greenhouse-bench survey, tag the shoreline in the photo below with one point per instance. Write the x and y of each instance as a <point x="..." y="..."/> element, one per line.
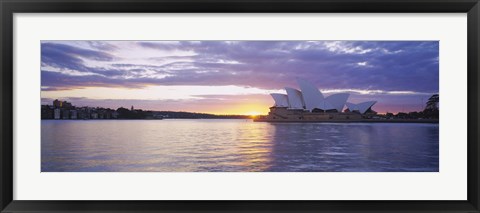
<point x="433" y="121"/>
<point x="47" y="119"/>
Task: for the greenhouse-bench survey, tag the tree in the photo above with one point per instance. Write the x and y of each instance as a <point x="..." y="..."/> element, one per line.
<point x="432" y="103"/>
<point x="431" y="109"/>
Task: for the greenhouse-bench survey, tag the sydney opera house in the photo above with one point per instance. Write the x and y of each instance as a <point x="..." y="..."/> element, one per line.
<point x="309" y="104"/>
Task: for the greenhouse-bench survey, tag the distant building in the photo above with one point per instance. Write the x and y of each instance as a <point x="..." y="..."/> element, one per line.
<point x="66" y="110"/>
<point x="108" y="114"/>
<point x="47" y="112"/>
<point x="82" y="113"/>
<point x="57" y="103"/>
<point x="73" y="114"/>
<point x="101" y="115"/>
<point x="62" y="104"/>
<point x="56" y="113"/>
<point x="65" y="114"/>
<point x="67" y="105"/>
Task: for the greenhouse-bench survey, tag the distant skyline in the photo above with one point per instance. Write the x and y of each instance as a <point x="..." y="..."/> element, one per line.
<point x="236" y="77"/>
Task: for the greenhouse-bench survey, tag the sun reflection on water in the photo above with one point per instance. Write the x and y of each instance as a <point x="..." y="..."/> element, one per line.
<point x="236" y="145"/>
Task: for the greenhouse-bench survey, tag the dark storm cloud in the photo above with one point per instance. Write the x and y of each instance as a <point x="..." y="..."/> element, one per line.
<point x="385" y="65"/>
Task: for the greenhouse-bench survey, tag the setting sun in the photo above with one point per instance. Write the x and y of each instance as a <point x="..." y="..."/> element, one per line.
<point x="253" y="113"/>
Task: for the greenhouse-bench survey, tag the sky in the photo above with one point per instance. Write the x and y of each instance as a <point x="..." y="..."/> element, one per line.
<point x="236" y="77"/>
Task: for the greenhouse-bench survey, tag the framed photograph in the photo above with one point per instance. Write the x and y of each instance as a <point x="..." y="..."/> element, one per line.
<point x="259" y="106"/>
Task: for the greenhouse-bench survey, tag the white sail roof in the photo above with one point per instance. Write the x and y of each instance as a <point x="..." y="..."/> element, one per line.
<point x="351" y="106"/>
<point x="361" y="107"/>
<point x="281" y="100"/>
<point x="325" y="105"/>
<point x="338" y="100"/>
<point x="313" y="97"/>
<point x="295" y="98"/>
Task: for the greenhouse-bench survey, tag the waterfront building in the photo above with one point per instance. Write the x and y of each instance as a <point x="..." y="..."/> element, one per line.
<point x="56" y="113"/>
<point x="101" y="115"/>
<point x="65" y="113"/>
<point x="295" y="98"/>
<point x="360" y="107"/>
<point x="311" y="99"/>
<point x="62" y="104"/>
<point x="337" y="101"/>
<point x="47" y="112"/>
<point x="82" y="113"/>
<point x="281" y="100"/>
<point x="65" y="110"/>
<point x="315" y="100"/>
<point x="57" y="103"/>
<point x="115" y="114"/>
<point x="73" y="114"/>
<point x="309" y="104"/>
<point x="66" y="105"/>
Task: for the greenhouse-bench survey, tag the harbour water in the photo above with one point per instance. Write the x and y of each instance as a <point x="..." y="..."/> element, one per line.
<point x="236" y="145"/>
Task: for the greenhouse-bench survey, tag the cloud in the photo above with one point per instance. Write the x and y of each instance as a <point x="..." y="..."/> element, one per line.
<point x="373" y="92"/>
<point x="52" y="50"/>
<point x="362" y="65"/>
<point x="102" y="46"/>
<point x="346" y="47"/>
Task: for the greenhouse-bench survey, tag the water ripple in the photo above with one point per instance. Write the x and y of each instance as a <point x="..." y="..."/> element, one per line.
<point x="236" y="146"/>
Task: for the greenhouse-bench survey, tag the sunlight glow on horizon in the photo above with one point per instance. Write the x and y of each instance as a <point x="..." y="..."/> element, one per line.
<point x="219" y="100"/>
<point x="156" y="92"/>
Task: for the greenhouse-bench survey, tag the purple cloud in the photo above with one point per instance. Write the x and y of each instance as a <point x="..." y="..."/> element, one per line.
<point x="264" y="64"/>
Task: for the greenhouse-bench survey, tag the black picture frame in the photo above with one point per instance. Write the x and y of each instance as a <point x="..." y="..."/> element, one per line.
<point x="9" y="7"/>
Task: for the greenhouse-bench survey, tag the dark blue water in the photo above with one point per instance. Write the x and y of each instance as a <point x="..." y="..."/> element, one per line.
<point x="237" y="146"/>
